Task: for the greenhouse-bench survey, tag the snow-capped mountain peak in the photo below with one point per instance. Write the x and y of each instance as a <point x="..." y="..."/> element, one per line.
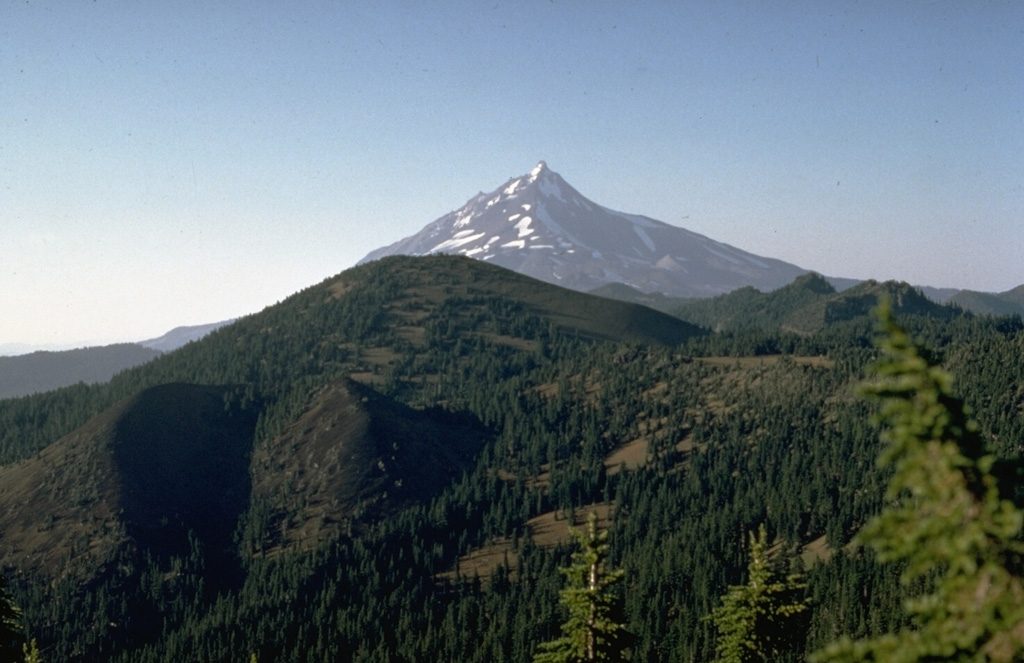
<point x="539" y="225"/>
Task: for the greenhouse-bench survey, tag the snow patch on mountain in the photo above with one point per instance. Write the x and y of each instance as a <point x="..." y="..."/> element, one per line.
<point x="455" y="242"/>
<point x="669" y="263"/>
<point x="644" y="237"/>
<point x="550" y="189"/>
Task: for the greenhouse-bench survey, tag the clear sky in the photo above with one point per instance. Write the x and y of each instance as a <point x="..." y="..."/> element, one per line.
<point x="178" y="163"/>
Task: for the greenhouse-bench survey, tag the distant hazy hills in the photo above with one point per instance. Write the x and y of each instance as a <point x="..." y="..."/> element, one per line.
<point x="811" y="302"/>
<point x="808" y="305"/>
<point x="45" y="370"/>
<point x="1010" y="302"/>
<point x="179" y="336"/>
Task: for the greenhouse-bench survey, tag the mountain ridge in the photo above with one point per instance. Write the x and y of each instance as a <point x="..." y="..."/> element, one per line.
<point x="180" y="336"/>
<point x="354" y="455"/>
<point x="171" y="456"/>
<point x="808" y="305"/>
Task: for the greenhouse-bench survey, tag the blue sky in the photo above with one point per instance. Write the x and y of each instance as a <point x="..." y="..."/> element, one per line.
<point x="175" y="163"/>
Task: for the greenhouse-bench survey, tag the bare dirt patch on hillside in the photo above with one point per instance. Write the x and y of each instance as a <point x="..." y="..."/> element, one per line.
<point x="547" y="530"/>
<point x="630" y="455"/>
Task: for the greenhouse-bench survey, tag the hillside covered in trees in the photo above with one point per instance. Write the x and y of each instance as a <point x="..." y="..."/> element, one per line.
<point x="385" y="466"/>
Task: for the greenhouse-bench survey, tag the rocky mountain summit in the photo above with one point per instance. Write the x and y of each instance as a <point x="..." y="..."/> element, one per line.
<point x="539" y="225"/>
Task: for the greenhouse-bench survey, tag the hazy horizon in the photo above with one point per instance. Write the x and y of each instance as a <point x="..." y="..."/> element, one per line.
<point x="178" y="164"/>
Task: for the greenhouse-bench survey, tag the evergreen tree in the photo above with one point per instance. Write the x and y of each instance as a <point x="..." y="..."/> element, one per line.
<point x="11" y="633"/>
<point x="952" y="524"/>
<point x="31" y="651"/>
<point x="592" y="632"/>
<point x="760" y="621"/>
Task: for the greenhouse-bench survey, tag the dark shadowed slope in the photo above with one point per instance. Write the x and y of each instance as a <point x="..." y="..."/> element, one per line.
<point x="353" y="454"/>
<point x="169" y="460"/>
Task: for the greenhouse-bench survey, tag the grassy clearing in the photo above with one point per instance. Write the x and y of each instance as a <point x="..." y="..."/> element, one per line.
<point x="630" y="455"/>
<point x="816" y="551"/>
<point x="547" y="530"/>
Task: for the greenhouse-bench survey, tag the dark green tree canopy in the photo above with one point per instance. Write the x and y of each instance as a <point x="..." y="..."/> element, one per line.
<point x="592" y="631"/>
<point x="760" y="621"/>
<point x="12" y="634"/>
<point x="950" y="521"/>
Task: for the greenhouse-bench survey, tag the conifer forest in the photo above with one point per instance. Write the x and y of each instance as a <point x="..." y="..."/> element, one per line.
<point x="434" y="459"/>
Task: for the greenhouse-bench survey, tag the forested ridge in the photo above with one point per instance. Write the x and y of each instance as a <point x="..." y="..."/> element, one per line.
<point x="562" y="405"/>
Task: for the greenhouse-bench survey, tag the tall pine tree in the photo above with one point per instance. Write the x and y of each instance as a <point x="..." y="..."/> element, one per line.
<point x="761" y="620"/>
<point x="12" y="635"/>
<point x="592" y="631"/>
<point x="950" y="520"/>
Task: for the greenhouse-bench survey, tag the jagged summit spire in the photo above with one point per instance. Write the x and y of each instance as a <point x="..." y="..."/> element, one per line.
<point x="541" y="167"/>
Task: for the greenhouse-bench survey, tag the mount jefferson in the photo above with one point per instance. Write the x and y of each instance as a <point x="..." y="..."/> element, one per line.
<point x="540" y="226"/>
